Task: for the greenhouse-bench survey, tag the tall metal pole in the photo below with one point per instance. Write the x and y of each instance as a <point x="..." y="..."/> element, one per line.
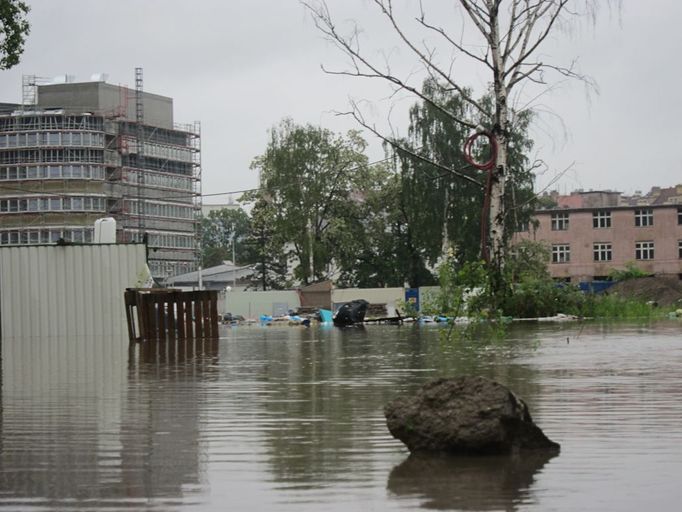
<point x="139" y="119"/>
<point x="197" y="200"/>
<point x="310" y="250"/>
<point x="234" y="261"/>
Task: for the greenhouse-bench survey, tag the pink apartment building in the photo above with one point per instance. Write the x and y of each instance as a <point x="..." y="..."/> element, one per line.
<point x="591" y="233"/>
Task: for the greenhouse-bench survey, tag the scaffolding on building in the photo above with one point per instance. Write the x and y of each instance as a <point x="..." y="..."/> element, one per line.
<point x="149" y="174"/>
<point x="158" y="166"/>
<point x="139" y="119"/>
<point x="29" y="90"/>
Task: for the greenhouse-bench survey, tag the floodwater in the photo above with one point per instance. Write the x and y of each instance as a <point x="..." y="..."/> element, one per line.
<point x="290" y="419"/>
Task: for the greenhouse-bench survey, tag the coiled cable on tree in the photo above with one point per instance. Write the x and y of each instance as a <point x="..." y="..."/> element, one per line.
<point x="488" y="166"/>
<point x="469" y="144"/>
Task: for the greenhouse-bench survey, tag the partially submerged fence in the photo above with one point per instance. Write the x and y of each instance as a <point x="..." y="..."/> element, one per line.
<point x="169" y="314"/>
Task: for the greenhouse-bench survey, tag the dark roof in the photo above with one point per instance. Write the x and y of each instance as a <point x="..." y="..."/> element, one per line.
<point x="224" y="273"/>
<point x="619" y="207"/>
<point x="7" y="108"/>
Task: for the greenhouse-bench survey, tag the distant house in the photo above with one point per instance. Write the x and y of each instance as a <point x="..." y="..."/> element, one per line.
<point x="591" y="233"/>
<point x="206" y="209"/>
<point x="215" y="278"/>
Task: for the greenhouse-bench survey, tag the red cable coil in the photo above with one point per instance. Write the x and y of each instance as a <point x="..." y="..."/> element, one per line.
<point x="488" y="166"/>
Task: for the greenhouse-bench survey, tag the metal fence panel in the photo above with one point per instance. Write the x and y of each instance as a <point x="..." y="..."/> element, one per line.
<point x="73" y="290"/>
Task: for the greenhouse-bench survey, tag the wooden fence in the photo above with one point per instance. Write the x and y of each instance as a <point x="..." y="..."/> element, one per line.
<point x="169" y="314"/>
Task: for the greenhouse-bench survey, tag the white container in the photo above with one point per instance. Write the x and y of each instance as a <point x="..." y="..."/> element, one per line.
<point x="105" y="231"/>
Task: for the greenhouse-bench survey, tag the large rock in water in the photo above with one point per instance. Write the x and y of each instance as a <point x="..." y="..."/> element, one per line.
<point x="464" y="415"/>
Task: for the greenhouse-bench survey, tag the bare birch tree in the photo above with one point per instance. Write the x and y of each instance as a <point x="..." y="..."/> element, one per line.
<point x="503" y="38"/>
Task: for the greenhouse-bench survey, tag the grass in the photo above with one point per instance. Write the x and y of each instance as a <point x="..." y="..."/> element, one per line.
<point x="619" y="308"/>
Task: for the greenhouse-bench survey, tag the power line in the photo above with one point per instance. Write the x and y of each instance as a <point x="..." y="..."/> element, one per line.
<point x="175" y="196"/>
<point x="190" y="195"/>
<point x="256" y="189"/>
<point x="58" y="194"/>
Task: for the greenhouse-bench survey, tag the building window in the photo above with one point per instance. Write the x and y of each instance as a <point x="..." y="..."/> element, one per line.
<point x="601" y="219"/>
<point x="44" y="204"/>
<point x="602" y="252"/>
<point x="559" y="221"/>
<point x="561" y="253"/>
<point x="679" y="214"/>
<point x="679" y="249"/>
<point x="45" y="236"/>
<point x="523" y="227"/>
<point x="644" y="250"/>
<point x="644" y="218"/>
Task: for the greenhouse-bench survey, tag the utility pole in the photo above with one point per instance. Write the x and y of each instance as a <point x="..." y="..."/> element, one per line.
<point x="310" y="251"/>
<point x="139" y="142"/>
<point x="234" y="261"/>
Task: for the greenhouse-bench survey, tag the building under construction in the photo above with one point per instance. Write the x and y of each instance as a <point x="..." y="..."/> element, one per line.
<point x="72" y="153"/>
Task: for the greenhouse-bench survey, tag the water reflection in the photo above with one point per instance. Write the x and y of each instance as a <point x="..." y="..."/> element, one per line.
<point x="201" y="354"/>
<point x="86" y="422"/>
<point x="60" y="412"/>
<point x="468" y="483"/>
<point x="161" y="445"/>
<point x="291" y="419"/>
<point x="321" y="412"/>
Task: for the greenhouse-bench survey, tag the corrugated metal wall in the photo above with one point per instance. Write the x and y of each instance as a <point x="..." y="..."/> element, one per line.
<point x="66" y="290"/>
<point x="254" y="304"/>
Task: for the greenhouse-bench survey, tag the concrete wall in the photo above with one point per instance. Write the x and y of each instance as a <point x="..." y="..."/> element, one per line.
<point x="103" y="97"/>
<point x="52" y="291"/>
<point x="81" y="96"/>
<point x="254" y="304"/>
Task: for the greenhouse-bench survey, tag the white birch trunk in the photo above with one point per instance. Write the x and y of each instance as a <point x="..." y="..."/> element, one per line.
<point x="497" y="213"/>
<point x="496" y="220"/>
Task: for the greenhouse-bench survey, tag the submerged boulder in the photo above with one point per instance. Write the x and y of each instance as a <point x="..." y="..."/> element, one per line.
<point x="464" y="415"/>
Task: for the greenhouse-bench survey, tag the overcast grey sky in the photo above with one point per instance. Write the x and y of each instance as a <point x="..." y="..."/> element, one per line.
<point x="240" y="66"/>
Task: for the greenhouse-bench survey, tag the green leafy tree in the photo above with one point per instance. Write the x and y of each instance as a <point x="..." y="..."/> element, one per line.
<point x="214" y="256"/>
<point x="220" y="230"/>
<point x="14" y="28"/>
<point x="444" y="209"/>
<point x="631" y="271"/>
<point x="308" y="178"/>
<point x="385" y="251"/>
<point x="270" y="266"/>
<point x="528" y="259"/>
<point x="547" y="202"/>
<point x="504" y="39"/>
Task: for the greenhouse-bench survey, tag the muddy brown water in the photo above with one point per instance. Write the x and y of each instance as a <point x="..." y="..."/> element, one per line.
<point x="291" y="419"/>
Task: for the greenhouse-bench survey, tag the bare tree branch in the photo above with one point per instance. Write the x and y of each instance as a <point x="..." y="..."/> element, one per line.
<point x="519" y="24"/>
<point x="387" y="9"/>
<point x="355" y="113"/>
<point x="526" y="51"/>
<point x="483" y="60"/>
<point x="513" y="32"/>
<point x="510" y="31"/>
<point x="556" y="178"/>
<point x="324" y="23"/>
<point x="478" y="16"/>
